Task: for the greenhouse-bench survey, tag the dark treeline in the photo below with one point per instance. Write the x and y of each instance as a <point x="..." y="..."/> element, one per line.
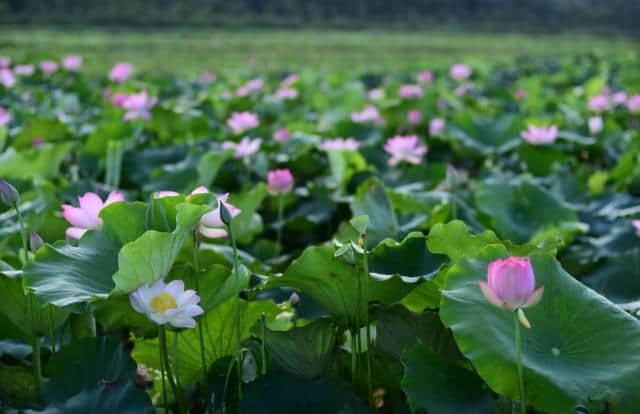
<point x="530" y="15"/>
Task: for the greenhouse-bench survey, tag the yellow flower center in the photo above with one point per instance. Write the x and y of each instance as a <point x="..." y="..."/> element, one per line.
<point x="163" y="302"/>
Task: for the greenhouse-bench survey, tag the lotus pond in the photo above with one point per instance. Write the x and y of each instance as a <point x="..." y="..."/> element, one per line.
<point x="461" y="239"/>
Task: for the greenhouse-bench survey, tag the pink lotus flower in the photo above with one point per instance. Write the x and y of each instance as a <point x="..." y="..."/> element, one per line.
<point x="119" y="98"/>
<point x="511" y="284"/>
<point x="619" y="98"/>
<point x="121" y="72"/>
<point x="595" y="124"/>
<point x="243" y="149"/>
<point x="414" y="117"/>
<point x="5" y="117"/>
<point x="280" y="181"/>
<point x="207" y="77"/>
<point x="521" y="93"/>
<point x="368" y="114"/>
<point x="411" y="91"/>
<point x="242" y="121"/>
<point x="340" y="144"/>
<point x="87" y="216"/>
<point x="405" y="148"/>
<point x="633" y="104"/>
<point x="211" y="224"/>
<point x="460" y="71"/>
<point x="425" y="77"/>
<point x="289" y="80"/>
<point x="636" y="225"/>
<point x="462" y="89"/>
<point x="376" y="94"/>
<point x="24" y="70"/>
<point x="540" y="135"/>
<point x="7" y="79"/>
<point x="5" y="61"/>
<point x="436" y="126"/>
<point x="287" y="93"/>
<point x="282" y="135"/>
<point x="138" y="105"/>
<point x="48" y="67"/>
<point x="72" y="62"/>
<point x="37" y="142"/>
<point x="254" y="85"/>
<point x="599" y="103"/>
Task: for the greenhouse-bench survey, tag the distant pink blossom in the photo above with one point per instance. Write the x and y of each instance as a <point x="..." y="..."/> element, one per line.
<point x="282" y="135"/>
<point x="595" y="124"/>
<point x="26" y="96"/>
<point x="138" y="105"/>
<point x="5" y="117"/>
<point x="87" y="216"/>
<point x="376" y="94"/>
<point x="207" y="76"/>
<point x="72" y="62"/>
<point x="462" y="89"/>
<point x="368" y="114"/>
<point x="425" y="77"/>
<point x="619" y="98"/>
<point x="340" y="144"/>
<point x="254" y="85"/>
<point x="633" y="104"/>
<point x="405" y="148"/>
<point x="5" y="61"/>
<point x="211" y="224"/>
<point x="521" y="93"/>
<point x="436" y="126"/>
<point x="290" y="80"/>
<point x="24" y="70"/>
<point x="48" y="67"/>
<point x="119" y="98"/>
<point x="226" y="95"/>
<point x="540" y="135"/>
<point x="287" y="93"/>
<point x="599" y="103"/>
<point x="121" y="72"/>
<point x="460" y="71"/>
<point x="7" y="78"/>
<point x="636" y="225"/>
<point x="414" y="117"/>
<point x="242" y="121"/>
<point x="37" y="142"/>
<point x="410" y="91"/>
<point x="280" y="181"/>
<point x="243" y="149"/>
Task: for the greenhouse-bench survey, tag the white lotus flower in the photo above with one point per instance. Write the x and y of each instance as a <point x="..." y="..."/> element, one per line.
<point x="167" y="303"/>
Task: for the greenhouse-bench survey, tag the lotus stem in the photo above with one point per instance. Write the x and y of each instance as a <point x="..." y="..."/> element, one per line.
<point x="523" y="407"/>
<point x="280" y="217"/>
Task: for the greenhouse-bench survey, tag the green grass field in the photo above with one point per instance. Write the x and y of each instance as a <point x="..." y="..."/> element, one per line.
<point x="188" y="51"/>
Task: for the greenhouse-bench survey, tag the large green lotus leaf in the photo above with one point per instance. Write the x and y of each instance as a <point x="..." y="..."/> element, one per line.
<point x="125" y="222"/>
<point x="486" y="135"/>
<point x="581" y="347"/>
<point x="219" y="283"/>
<point x="306" y="351"/>
<point x="49" y="130"/>
<point x="617" y="278"/>
<point x="442" y="387"/>
<point x="43" y="162"/>
<point x="220" y="338"/>
<point x="115" y="313"/>
<point x="409" y="259"/>
<point x="333" y="283"/>
<point x="209" y="165"/>
<point x="248" y="223"/>
<point x="93" y="375"/>
<point x="14" y="306"/>
<point x="519" y="209"/>
<point x="371" y="199"/>
<point x="151" y="256"/>
<point x="344" y="164"/>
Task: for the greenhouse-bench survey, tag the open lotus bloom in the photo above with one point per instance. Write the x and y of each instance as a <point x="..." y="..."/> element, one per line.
<point x="211" y="224"/>
<point x="368" y="114"/>
<point x="5" y="117"/>
<point x="243" y="149"/>
<point x="280" y="181"/>
<point x="599" y="103"/>
<point x="405" y="148"/>
<point x="460" y="71"/>
<point x="540" y="135"/>
<point x="72" y="63"/>
<point x="410" y="91"/>
<point x="138" y="105"/>
<point x="167" y="303"/>
<point x="48" y="67"/>
<point x="511" y="284"/>
<point x="636" y="225"/>
<point x="242" y="121"/>
<point x="121" y="72"/>
<point x="7" y="78"/>
<point x="86" y="216"/>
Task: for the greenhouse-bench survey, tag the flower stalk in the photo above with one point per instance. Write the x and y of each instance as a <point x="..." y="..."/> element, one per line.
<point x="518" y="345"/>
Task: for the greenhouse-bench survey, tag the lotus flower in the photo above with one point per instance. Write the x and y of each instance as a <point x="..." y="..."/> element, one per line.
<point x="410" y="91"/>
<point x="242" y="121"/>
<point x="340" y="144"/>
<point x="376" y="94"/>
<point x="24" y="70"/>
<point x="540" y="135"/>
<point x="280" y="181"/>
<point x="211" y="224"/>
<point x="436" y="126"/>
<point x="636" y="225"/>
<point x="72" y="63"/>
<point x="282" y="135"/>
<point x="460" y="71"/>
<point x="633" y="104"/>
<point x="5" y="117"/>
<point x="287" y="93"/>
<point x="7" y="78"/>
<point x="405" y="148"/>
<point x="521" y="93"/>
<point x="48" y="67"/>
<point x="511" y="284"/>
<point x="619" y="98"/>
<point x="595" y="124"/>
<point x="243" y="149"/>
<point x="599" y="103"/>
<point x="462" y="89"/>
<point x="121" y="72"/>
<point x="253" y="85"/>
<point x="207" y="77"/>
<point x="87" y="216"/>
<point x="119" y="98"/>
<point x="368" y="114"/>
<point x="5" y="61"/>
<point x="290" y="80"/>
<point x="425" y="77"/>
<point x="138" y="105"/>
<point x="167" y="303"/>
<point x="414" y="117"/>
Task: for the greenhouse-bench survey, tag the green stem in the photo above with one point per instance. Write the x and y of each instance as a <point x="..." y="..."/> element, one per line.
<point x="262" y="346"/>
<point x="115" y="151"/>
<point x="280" y="217"/>
<point x="196" y="267"/>
<point x="175" y="359"/>
<point x="236" y="276"/>
<point x="164" y="354"/>
<point x="164" y="384"/>
<point x="365" y="265"/>
<point x="51" y="331"/>
<point x="91" y="321"/>
<point x="523" y="407"/>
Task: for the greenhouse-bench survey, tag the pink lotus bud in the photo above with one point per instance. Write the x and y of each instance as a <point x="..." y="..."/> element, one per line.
<point x="436" y="126"/>
<point x="425" y="77"/>
<point x="280" y="181"/>
<point x="414" y="117"/>
<point x="540" y="135"/>
<point x="595" y="124"/>
<point x="72" y="63"/>
<point x="282" y="135"/>
<point x="511" y="284"/>
<point x="460" y="71"/>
